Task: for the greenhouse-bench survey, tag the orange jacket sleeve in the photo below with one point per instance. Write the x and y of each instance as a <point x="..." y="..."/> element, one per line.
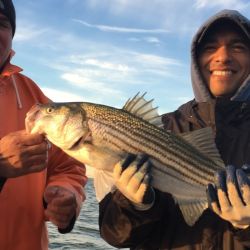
<point x="66" y="172"/>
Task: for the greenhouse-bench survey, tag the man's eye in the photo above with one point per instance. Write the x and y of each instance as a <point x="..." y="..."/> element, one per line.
<point x="208" y="48"/>
<point x="5" y="24"/>
<point x="239" y="47"/>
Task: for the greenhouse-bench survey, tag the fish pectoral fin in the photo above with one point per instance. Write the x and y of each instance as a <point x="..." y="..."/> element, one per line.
<point x="103" y="183"/>
<point x="143" y="109"/>
<point x="203" y="141"/>
<point x="192" y="210"/>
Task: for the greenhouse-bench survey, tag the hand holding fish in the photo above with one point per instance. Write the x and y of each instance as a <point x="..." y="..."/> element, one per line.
<point x="230" y="198"/>
<point x="61" y="206"/>
<point x="22" y="153"/>
<point x="132" y="178"/>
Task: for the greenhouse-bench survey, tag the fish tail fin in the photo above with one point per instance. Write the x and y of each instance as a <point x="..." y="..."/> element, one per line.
<point x="191" y="211"/>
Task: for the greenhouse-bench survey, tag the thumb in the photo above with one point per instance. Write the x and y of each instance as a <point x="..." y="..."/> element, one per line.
<point x="49" y="193"/>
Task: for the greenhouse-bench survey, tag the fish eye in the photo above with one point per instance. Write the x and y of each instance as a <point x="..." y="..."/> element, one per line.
<point x="50" y="110"/>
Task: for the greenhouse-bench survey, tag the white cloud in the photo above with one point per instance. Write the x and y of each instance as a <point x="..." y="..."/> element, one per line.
<point x="101" y="70"/>
<point x="109" y="68"/>
<point x="119" y="29"/>
<point x="152" y="39"/>
<point x="237" y="4"/>
<point x="61" y="96"/>
<point x="181" y="17"/>
<point x="134" y="39"/>
<point x="68" y="96"/>
<point x="107" y="65"/>
<point x="102" y="66"/>
<point x="79" y="80"/>
<point x="139" y="6"/>
<point x="108" y="72"/>
<point x="27" y="32"/>
<point x="156" y="61"/>
<point x="149" y="39"/>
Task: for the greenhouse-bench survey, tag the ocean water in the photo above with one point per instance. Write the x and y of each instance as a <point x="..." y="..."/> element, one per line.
<point x="85" y="234"/>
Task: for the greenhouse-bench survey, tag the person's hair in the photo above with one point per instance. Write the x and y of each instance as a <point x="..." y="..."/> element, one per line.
<point x="219" y="25"/>
<point x="7" y="8"/>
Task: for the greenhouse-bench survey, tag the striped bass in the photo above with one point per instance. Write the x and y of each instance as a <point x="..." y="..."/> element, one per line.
<point x="99" y="136"/>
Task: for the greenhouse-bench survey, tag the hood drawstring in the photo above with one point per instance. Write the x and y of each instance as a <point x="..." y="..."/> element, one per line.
<point x="20" y="106"/>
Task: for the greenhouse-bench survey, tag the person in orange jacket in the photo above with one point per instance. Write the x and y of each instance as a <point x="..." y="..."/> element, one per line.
<point x="38" y="183"/>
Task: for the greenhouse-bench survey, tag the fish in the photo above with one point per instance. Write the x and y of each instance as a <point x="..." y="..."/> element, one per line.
<point x="100" y="136"/>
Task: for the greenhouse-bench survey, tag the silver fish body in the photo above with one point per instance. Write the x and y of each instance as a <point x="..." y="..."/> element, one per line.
<point x="100" y="136"/>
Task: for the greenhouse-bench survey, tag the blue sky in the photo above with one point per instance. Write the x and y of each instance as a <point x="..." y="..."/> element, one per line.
<point x="105" y="51"/>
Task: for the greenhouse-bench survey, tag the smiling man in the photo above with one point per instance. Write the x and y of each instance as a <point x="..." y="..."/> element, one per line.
<point x="220" y="68"/>
<point x="224" y="58"/>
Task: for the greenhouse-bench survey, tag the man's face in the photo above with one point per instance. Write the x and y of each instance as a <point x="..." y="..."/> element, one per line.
<point x="5" y="39"/>
<point x="224" y="60"/>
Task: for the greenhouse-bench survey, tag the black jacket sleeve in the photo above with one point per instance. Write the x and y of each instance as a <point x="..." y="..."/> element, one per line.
<point x="121" y="225"/>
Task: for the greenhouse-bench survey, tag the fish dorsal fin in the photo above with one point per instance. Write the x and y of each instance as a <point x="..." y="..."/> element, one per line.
<point x="143" y="109"/>
<point x="203" y="140"/>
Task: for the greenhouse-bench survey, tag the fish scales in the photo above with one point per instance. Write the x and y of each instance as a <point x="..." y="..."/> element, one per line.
<point x="170" y="161"/>
<point x="140" y="136"/>
<point x="123" y="142"/>
<point x="144" y="137"/>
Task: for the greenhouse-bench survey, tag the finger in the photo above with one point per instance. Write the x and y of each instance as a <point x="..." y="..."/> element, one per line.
<point x="61" y="209"/>
<point x="128" y="160"/>
<point x="149" y="194"/>
<point x="41" y="148"/>
<point x="59" y="224"/>
<point x="213" y="199"/>
<point x="141" y="159"/>
<point x="220" y="180"/>
<point x="34" y="163"/>
<point x="224" y="202"/>
<point x="122" y="165"/>
<point x="127" y="174"/>
<point x="141" y="192"/>
<point x="28" y="163"/>
<point x="64" y="201"/>
<point x="117" y="170"/>
<point x="135" y="182"/>
<point x="244" y="185"/>
<point x="246" y="169"/>
<point x="63" y="215"/>
<point x="233" y="191"/>
<point x="35" y="168"/>
<point x="34" y="160"/>
<point x="57" y="219"/>
<point x="122" y="173"/>
<point x="50" y="193"/>
<point x="33" y="139"/>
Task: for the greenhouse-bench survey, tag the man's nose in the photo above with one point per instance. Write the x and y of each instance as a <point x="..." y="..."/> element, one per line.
<point x="223" y="55"/>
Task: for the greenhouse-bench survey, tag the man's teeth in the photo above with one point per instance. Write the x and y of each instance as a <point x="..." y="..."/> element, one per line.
<point x="222" y="72"/>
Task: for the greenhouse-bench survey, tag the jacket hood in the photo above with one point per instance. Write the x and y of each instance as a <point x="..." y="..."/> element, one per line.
<point x="201" y="92"/>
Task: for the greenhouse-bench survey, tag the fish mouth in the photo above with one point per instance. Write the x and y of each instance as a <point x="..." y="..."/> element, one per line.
<point x="83" y="139"/>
